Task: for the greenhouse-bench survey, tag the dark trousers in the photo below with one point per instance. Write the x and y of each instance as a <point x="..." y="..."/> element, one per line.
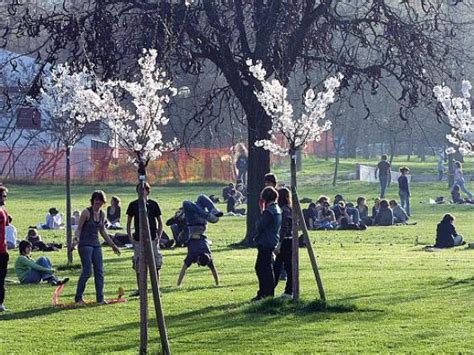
<point x="283" y="261"/>
<point x="3" y="274"/>
<point x="264" y="270"/>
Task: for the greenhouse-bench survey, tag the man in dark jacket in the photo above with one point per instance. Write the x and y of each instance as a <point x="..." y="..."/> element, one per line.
<point x="267" y="237"/>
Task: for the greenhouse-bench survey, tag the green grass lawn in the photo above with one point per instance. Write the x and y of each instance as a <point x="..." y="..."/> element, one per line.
<point x="385" y="294"/>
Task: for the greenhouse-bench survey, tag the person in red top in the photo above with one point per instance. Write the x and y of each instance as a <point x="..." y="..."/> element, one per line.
<point x="3" y="245"/>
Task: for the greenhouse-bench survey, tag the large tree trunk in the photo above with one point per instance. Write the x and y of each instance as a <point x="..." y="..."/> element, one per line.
<point x="259" y="165"/>
<point x="68" y="207"/>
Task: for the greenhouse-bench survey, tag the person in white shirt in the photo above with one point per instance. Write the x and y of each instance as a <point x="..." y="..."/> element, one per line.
<point x="11" y="234"/>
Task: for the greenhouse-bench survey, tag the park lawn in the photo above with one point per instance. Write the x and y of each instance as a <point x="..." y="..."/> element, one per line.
<point x="384" y="292"/>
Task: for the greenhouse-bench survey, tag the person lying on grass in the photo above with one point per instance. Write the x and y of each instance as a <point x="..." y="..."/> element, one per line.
<point x="199" y="253"/>
<point x="29" y="271"/>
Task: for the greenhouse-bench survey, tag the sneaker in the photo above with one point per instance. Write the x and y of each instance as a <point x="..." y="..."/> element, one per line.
<point x="212" y="218"/>
<point x="286" y="296"/>
<point x="135" y="293"/>
<point x="217" y="213"/>
<point x="256" y="299"/>
<point x="54" y="282"/>
<point x="104" y="302"/>
<point x="63" y="281"/>
<point x="3" y="308"/>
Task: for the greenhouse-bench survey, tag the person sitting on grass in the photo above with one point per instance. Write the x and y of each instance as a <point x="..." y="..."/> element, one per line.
<point x="345" y="221"/>
<point x="399" y="214"/>
<point x="11" y="234"/>
<point x="232" y="202"/>
<point x="113" y="214"/>
<point x="456" y="196"/>
<point x="54" y="220"/>
<point x="326" y="218"/>
<point x="226" y="191"/>
<point x="446" y="235"/>
<point x="363" y="211"/>
<point x="267" y="236"/>
<point x="385" y="215"/>
<point x="29" y="271"/>
<point x="199" y="252"/>
<point x="375" y="209"/>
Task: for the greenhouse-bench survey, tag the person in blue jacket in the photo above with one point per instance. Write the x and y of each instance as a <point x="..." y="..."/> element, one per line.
<point x="267" y="236"/>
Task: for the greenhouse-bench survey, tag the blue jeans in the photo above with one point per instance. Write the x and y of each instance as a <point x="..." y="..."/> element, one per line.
<point x="91" y="257"/>
<point x="35" y="276"/>
<point x="464" y="189"/>
<point x="197" y="213"/>
<point x="383" y="185"/>
<point x="405" y="201"/>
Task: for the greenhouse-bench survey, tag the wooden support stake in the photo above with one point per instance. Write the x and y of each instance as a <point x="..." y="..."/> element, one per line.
<point x="309" y="246"/>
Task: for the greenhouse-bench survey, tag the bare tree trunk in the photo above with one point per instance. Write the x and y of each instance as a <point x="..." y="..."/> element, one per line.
<point x="68" y="207"/>
<point x="337" y="145"/>
<point x="326" y="146"/>
<point x="295" y="246"/>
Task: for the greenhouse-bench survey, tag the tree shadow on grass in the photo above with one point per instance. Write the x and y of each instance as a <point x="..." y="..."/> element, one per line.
<point x="31" y="313"/>
<point x="452" y="282"/>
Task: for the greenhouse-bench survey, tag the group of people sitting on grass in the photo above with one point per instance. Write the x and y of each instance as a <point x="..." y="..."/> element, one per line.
<point x="342" y="215"/>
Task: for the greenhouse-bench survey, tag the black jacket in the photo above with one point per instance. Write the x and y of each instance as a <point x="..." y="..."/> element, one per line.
<point x="445" y="233"/>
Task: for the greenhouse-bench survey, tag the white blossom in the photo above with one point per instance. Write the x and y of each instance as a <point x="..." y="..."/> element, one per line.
<point x="66" y="102"/>
<point x="298" y="131"/>
<point x="138" y="122"/>
<point x="458" y="111"/>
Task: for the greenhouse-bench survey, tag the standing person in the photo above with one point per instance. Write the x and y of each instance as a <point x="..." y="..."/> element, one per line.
<point x="268" y="229"/>
<point x="459" y="179"/>
<point x="404" y="189"/>
<point x="3" y="246"/>
<point x="156" y="229"/>
<point x="241" y="162"/>
<point x="384" y="174"/>
<point x="284" y="246"/>
<point x="91" y="223"/>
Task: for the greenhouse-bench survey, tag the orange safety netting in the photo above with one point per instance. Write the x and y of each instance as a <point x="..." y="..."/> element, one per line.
<point x="107" y="165"/>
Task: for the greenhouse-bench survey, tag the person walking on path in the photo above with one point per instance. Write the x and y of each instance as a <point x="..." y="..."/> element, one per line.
<point x="384" y="174"/>
<point x="404" y="189"/>
<point x="91" y="223"/>
<point x="459" y="179"/>
<point x="3" y="245"/>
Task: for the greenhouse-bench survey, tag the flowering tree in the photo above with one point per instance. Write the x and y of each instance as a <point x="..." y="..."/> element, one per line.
<point x="458" y="110"/>
<point x="298" y="131"/>
<point x="62" y="99"/>
<point x="135" y="112"/>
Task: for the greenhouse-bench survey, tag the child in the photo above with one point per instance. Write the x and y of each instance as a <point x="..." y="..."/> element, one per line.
<point x="268" y="229"/>
<point x="29" y="271"/>
<point x="404" y="189"/>
<point x="199" y="253"/>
